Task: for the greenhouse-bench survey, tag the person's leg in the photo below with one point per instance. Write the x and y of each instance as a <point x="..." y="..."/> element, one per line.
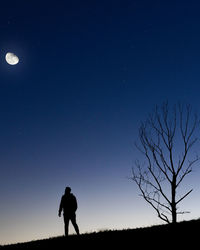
<point x="66" y="221"/>
<point x="73" y="220"/>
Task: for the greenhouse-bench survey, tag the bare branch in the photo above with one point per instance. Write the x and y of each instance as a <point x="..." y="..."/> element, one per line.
<point x="162" y="173"/>
<point x="183" y="197"/>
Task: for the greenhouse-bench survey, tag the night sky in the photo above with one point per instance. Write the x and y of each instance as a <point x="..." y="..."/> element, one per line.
<point x="88" y="73"/>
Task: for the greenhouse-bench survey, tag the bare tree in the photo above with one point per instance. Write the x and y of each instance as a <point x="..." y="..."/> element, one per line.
<point x="166" y="140"/>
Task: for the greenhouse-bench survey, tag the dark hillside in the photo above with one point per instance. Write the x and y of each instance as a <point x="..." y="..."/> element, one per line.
<point x="184" y="234"/>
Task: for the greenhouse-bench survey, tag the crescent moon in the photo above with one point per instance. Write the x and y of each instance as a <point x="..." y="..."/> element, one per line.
<point x="11" y="58"/>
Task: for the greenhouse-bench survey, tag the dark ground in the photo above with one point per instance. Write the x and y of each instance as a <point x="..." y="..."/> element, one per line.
<point x="184" y="234"/>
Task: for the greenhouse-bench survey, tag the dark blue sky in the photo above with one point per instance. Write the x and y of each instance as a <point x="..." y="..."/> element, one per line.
<point x="89" y="71"/>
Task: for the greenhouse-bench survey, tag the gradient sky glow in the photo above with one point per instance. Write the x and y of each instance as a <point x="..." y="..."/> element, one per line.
<point x="89" y="72"/>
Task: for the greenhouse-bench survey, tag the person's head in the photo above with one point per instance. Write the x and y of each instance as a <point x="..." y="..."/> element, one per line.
<point x="67" y="190"/>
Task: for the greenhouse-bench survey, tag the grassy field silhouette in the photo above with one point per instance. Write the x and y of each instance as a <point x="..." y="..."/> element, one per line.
<point x="183" y="234"/>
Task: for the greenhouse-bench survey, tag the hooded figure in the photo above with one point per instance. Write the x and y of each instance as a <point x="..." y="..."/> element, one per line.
<point x="68" y="205"/>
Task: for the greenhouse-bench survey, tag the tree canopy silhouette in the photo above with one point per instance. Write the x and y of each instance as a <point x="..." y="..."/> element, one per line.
<point x="165" y="140"/>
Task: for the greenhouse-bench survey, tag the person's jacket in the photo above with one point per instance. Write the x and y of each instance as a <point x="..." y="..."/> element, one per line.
<point x="68" y="204"/>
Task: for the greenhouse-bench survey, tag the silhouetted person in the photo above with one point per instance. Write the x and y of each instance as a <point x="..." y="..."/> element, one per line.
<point x="68" y="205"/>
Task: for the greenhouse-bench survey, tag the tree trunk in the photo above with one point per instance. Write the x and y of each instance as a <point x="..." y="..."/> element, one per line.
<point x="174" y="214"/>
<point x="173" y="201"/>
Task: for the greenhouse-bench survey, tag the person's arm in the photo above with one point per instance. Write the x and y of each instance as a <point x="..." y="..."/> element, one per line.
<point x="60" y="207"/>
<point x="75" y="203"/>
